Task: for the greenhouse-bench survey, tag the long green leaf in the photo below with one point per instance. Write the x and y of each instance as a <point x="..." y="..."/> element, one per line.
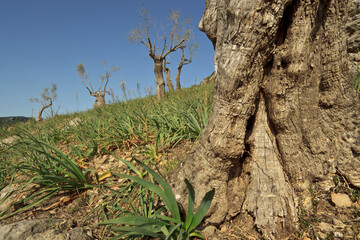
<point x="170" y="219"/>
<point x="170" y="197"/>
<point x="152" y="187"/>
<point x="191" y="203"/>
<point x="174" y="228"/>
<point x="196" y="234"/>
<point x="145" y="230"/>
<point x="134" y="220"/>
<point x="131" y="166"/>
<point x="202" y="210"/>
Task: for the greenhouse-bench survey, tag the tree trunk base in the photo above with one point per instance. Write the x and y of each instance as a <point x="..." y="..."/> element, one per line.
<point x="285" y="119"/>
<point x="254" y="186"/>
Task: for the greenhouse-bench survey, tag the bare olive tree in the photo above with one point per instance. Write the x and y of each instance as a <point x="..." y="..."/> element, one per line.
<point x="185" y="59"/>
<point x="175" y="38"/>
<point x="48" y="96"/>
<point x="100" y="93"/>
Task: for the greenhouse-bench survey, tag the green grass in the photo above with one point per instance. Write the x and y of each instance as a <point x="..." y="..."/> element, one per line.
<point x="48" y="157"/>
<point x="182" y="115"/>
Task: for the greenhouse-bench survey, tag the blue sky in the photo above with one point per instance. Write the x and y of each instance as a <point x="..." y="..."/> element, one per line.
<point x="42" y="42"/>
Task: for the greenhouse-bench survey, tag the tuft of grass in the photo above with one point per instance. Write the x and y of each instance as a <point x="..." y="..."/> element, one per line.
<point x="164" y="222"/>
<point x="47" y="169"/>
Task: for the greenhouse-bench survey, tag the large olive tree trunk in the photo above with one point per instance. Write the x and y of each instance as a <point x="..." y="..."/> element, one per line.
<point x="159" y="77"/>
<point x="285" y="117"/>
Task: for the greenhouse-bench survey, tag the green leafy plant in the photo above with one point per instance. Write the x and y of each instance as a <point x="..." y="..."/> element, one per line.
<point x="155" y="223"/>
<point x="47" y="170"/>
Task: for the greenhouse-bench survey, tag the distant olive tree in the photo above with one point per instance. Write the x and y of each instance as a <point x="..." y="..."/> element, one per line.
<point x="100" y="93"/>
<point x="187" y="54"/>
<point x="177" y="36"/>
<point x="48" y="96"/>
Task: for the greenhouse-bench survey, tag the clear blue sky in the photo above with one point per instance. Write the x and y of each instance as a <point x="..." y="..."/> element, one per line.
<point x="42" y="41"/>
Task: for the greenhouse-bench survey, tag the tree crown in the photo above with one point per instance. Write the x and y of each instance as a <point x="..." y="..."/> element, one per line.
<point x="176" y="35"/>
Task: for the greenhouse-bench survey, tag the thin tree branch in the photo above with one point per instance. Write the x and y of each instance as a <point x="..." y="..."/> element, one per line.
<point x="177" y="46"/>
<point x="162" y="51"/>
<point x="86" y="86"/>
<point x="107" y="80"/>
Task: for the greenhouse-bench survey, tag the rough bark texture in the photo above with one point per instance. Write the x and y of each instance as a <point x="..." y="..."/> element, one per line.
<point x="100" y="98"/>
<point x="285" y="117"/>
<point x="159" y="77"/>
<point x="353" y="32"/>
<point x="168" y="77"/>
<point x="177" y="79"/>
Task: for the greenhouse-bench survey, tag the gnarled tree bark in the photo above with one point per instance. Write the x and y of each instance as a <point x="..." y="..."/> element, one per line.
<point x="353" y="36"/>
<point x="285" y="117"/>
<point x="168" y="77"/>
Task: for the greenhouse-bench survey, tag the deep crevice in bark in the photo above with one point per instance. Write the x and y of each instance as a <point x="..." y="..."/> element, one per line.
<point x="273" y="129"/>
<point x="237" y="163"/>
<point x="320" y="18"/>
<point x="285" y="22"/>
<point x="268" y="66"/>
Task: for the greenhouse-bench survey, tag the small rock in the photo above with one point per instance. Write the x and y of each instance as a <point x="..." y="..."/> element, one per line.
<point x="74" y="122"/>
<point x="6" y="193"/>
<point x="341" y="200"/>
<point x="26" y="228"/>
<point x="338" y="234"/>
<point x="209" y="231"/>
<point x="72" y="234"/>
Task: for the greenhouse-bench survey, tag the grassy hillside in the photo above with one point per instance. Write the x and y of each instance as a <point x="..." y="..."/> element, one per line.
<point x="69" y="154"/>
